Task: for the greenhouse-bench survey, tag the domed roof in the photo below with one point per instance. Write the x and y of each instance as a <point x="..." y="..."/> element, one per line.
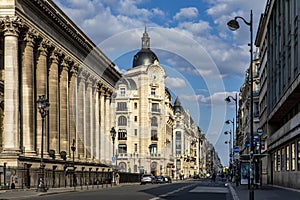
<point x="145" y="56"/>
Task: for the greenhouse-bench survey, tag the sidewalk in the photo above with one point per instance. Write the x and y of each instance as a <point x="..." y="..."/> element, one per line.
<point x="266" y="192"/>
<point x="28" y="193"/>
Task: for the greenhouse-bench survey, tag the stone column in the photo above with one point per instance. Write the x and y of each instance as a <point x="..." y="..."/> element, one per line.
<point x="28" y="110"/>
<point x="73" y="105"/>
<point x="41" y="81"/>
<point x="109" y="145"/>
<point x="97" y="123"/>
<point x="63" y="99"/>
<point x="11" y="142"/>
<point x="81" y="113"/>
<point x="88" y="118"/>
<point x="102" y="130"/>
<point x="53" y="100"/>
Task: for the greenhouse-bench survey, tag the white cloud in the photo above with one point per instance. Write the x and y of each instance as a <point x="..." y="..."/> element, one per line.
<point x="175" y="83"/>
<point x="186" y="13"/>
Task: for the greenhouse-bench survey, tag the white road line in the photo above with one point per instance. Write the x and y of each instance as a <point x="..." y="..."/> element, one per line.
<point x="201" y="189"/>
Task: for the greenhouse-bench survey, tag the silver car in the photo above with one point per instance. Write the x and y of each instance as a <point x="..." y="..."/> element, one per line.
<point x="147" y="178"/>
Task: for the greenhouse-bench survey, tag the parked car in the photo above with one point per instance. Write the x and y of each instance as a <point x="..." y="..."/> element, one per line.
<point x="160" y="179"/>
<point x="168" y="179"/>
<point x="147" y="178"/>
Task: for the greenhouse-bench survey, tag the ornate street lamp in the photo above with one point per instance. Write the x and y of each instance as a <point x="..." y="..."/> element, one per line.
<point x="234" y="25"/>
<point x="73" y="148"/>
<point x="43" y="106"/>
<point x="113" y="137"/>
<point x="228" y="100"/>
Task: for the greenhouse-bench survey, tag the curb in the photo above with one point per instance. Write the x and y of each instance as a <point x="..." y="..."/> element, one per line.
<point x="233" y="192"/>
<point x="285" y="188"/>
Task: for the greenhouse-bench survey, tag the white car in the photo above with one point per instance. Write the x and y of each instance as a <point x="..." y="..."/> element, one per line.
<point x="147" y="178"/>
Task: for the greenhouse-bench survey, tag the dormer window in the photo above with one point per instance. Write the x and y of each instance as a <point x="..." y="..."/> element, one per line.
<point x="122" y="91"/>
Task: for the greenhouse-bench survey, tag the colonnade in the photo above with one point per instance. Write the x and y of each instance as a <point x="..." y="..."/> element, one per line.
<point x="34" y="64"/>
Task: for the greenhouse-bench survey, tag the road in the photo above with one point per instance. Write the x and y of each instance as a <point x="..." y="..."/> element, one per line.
<point x="187" y="190"/>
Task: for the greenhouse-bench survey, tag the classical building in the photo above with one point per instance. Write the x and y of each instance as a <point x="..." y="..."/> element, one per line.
<point x="144" y="116"/>
<point x="42" y="52"/>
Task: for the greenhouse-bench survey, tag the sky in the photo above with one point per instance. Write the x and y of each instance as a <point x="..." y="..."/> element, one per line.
<point x="204" y="61"/>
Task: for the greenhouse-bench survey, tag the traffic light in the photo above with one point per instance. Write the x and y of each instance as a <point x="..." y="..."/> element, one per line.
<point x="262" y="143"/>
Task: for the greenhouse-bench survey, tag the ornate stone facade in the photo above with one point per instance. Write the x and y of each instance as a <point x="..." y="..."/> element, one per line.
<point x="42" y="52"/>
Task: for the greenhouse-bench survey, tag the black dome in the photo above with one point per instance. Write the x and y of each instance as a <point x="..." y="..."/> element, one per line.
<point x="144" y="57"/>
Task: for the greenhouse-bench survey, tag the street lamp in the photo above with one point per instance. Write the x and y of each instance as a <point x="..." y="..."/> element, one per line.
<point x="73" y="148"/>
<point x="113" y="137"/>
<point x="228" y="100"/>
<point x="230" y="148"/>
<point x="43" y="106"/>
<point x="234" y="25"/>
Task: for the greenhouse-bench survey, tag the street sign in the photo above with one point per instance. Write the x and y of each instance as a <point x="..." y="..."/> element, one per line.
<point x="236" y="149"/>
<point x="259" y="131"/>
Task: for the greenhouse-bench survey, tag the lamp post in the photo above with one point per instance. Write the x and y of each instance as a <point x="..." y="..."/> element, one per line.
<point x="113" y="137"/>
<point x="73" y="148"/>
<point x="43" y="106"/>
<point x="234" y="25"/>
<point x="230" y="148"/>
<point x="227" y="100"/>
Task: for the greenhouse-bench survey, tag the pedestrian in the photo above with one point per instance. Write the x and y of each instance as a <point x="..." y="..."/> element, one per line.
<point x="117" y="178"/>
<point x="213" y="177"/>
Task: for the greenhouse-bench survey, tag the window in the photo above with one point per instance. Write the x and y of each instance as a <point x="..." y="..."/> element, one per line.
<point x="293" y="163"/>
<point x="135" y="118"/>
<point x="278" y="161"/>
<point x="122" y="121"/>
<point x="121" y="106"/>
<point x="287" y="158"/>
<point x="282" y="159"/>
<point x="153" y="149"/>
<point x="135" y="105"/>
<point x="154" y="135"/>
<point x="135" y="132"/>
<point x="122" y="91"/>
<point x="275" y="161"/>
<point x="178" y="142"/>
<point x="154" y="121"/>
<point x="135" y="147"/>
<point x="298" y="156"/>
<point x="154" y="107"/>
<point x="122" y="148"/>
<point x="122" y="134"/>
<point x="153" y="91"/>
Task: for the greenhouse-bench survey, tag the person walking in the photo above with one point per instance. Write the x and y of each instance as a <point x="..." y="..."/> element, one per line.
<point x="117" y="178"/>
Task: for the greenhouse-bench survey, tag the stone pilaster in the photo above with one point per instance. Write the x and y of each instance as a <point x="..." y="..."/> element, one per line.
<point x="53" y="97"/>
<point x="11" y="142"/>
<point x="63" y="99"/>
<point x="28" y="110"/>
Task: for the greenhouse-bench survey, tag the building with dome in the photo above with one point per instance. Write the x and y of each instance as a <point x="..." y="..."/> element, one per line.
<point x="145" y="121"/>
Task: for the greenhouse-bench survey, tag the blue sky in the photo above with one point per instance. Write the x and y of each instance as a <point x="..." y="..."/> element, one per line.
<point x="204" y="61"/>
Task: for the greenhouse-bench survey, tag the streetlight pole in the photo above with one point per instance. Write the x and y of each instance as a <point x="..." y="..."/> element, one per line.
<point x="230" y="148"/>
<point x="113" y="137"/>
<point x="227" y="99"/>
<point x="234" y="25"/>
<point x="73" y="148"/>
<point x="43" y="106"/>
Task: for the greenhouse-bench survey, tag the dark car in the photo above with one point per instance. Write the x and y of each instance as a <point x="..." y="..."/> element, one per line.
<point x="160" y="179"/>
<point x="147" y="178"/>
<point x="168" y="179"/>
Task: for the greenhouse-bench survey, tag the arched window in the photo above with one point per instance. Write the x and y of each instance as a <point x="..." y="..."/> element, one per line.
<point x="122" y="121"/>
<point x="154" y="121"/>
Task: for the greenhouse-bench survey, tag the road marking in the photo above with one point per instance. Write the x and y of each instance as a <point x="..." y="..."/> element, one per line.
<point x="201" y="189"/>
<point x="172" y="192"/>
